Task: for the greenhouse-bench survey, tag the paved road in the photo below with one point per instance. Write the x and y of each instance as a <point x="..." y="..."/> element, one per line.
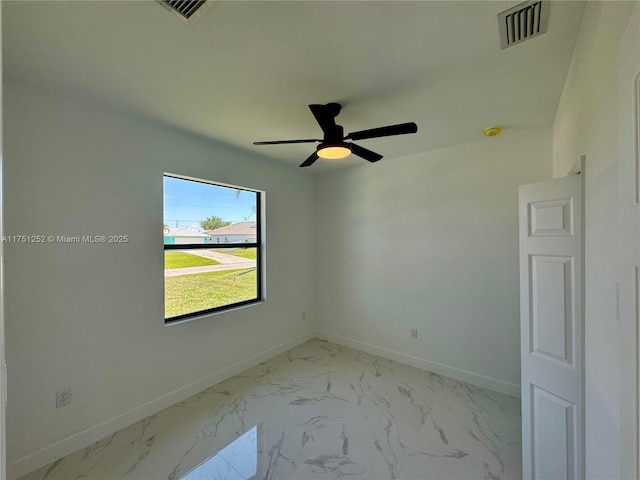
<point x="227" y="262"/>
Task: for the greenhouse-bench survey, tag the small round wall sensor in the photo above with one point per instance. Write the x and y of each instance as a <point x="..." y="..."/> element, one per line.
<point x="492" y="131"/>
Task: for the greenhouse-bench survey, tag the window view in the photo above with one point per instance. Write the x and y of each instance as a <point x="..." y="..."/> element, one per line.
<point x="211" y="247"/>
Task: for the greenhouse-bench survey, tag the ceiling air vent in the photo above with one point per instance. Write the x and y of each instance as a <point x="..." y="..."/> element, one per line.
<point x="522" y="22"/>
<point x="188" y="10"/>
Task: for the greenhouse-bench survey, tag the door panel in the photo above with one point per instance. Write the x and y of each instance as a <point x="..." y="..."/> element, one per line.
<point x="551" y="218"/>
<point x="553" y="420"/>
<point x="551" y="314"/>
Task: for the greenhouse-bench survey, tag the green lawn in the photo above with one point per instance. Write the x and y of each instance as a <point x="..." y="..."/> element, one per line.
<point x="240" y="252"/>
<point x="190" y="293"/>
<point x="182" y="260"/>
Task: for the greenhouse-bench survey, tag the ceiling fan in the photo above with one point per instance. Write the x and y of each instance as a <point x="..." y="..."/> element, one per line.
<point x="333" y="145"/>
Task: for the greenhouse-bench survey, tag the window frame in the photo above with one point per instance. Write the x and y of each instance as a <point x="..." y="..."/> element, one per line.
<point x="199" y="246"/>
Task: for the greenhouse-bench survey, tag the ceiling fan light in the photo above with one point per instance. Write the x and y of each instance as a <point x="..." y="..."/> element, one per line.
<point x="333" y="152"/>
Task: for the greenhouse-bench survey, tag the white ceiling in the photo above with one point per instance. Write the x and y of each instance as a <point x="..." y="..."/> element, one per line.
<point x="246" y="71"/>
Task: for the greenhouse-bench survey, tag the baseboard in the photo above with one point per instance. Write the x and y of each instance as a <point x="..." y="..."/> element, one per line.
<point x="439" y="368"/>
<point x="70" y="444"/>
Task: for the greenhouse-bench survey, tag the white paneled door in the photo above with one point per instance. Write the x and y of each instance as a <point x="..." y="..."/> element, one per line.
<point x="551" y="329"/>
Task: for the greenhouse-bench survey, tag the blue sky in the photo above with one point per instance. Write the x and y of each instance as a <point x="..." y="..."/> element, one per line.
<point x="187" y="202"/>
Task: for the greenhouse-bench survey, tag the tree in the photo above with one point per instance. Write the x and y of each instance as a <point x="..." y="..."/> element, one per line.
<point x="213" y="222"/>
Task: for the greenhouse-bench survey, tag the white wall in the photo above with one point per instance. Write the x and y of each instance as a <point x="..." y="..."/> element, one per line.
<point x="90" y="317"/>
<point x="586" y="123"/>
<point x="3" y="385"/>
<point x="430" y="242"/>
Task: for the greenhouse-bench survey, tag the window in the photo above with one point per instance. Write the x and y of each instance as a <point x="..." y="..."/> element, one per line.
<point x="203" y="274"/>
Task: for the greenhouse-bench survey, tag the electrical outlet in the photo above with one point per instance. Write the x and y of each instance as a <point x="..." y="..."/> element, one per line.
<point x="414" y="333"/>
<point x="63" y="397"/>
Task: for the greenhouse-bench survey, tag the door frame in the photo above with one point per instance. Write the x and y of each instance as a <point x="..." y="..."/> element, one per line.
<point x="3" y="364"/>
<point x="627" y="287"/>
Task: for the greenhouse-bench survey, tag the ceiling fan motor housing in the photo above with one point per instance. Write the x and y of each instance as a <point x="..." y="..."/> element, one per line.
<point x="336" y="137"/>
<point x="333" y="145"/>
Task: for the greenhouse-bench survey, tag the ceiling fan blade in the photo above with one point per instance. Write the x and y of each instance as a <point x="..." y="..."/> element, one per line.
<point x="325" y="117"/>
<point x="365" y="153"/>
<point x="309" y="161"/>
<point x="279" y="142"/>
<point x="400" y="129"/>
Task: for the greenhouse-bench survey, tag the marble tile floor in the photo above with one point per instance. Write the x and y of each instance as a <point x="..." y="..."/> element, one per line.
<point x="318" y="411"/>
